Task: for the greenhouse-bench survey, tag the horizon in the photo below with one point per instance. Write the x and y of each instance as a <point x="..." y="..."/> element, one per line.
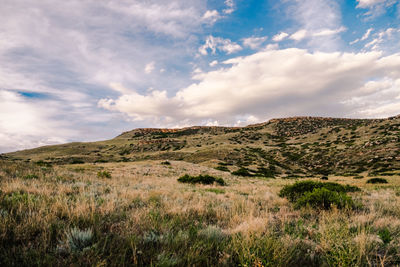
<point x="87" y="71"/>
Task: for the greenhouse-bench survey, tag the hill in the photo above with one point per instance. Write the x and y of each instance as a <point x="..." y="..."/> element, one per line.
<point x="295" y="146"/>
<point x="209" y="196"/>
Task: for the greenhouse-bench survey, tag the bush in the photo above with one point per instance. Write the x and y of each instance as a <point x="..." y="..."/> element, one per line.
<point x="318" y="194"/>
<point x="377" y="181"/>
<point x="325" y="199"/>
<point x="324" y="178"/>
<point x="242" y="172"/>
<point x="104" y="174"/>
<point x="201" y="179"/>
<point x="222" y="168"/>
<point x="166" y="163"/>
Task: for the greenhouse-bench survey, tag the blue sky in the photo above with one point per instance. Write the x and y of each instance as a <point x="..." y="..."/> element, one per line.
<point x="88" y="70"/>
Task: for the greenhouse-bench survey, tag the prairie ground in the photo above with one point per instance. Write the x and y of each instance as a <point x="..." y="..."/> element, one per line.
<point x="137" y="214"/>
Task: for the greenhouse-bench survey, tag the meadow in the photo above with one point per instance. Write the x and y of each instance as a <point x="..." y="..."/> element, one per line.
<point x="138" y="214"/>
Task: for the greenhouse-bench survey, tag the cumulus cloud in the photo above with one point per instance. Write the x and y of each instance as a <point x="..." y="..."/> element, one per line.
<point x="267" y="84"/>
<point x="254" y="42"/>
<point x="216" y="43"/>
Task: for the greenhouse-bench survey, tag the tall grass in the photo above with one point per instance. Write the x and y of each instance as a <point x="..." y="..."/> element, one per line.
<point x="144" y="217"/>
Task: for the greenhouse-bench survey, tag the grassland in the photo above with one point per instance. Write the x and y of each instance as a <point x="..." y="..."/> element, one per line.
<point x="120" y="203"/>
<point x="138" y="214"/>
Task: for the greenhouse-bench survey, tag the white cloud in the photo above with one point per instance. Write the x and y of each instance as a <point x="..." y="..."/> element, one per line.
<point x="280" y="36"/>
<point x="230" y="7"/>
<point x="327" y="32"/>
<point x="211" y="16"/>
<point x="25" y="124"/>
<point x="370" y="3"/>
<point x="319" y="21"/>
<point x="366" y="34"/>
<point x="382" y="37"/>
<point x="254" y="42"/>
<point x="149" y="67"/>
<point x="216" y="43"/>
<point x="299" y="35"/>
<point x="375" y="7"/>
<point x="213" y="63"/>
<point x="268" y="84"/>
<point x="73" y="57"/>
<point x="364" y="37"/>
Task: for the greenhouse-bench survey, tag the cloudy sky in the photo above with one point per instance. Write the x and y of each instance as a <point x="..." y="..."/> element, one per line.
<point x="82" y="70"/>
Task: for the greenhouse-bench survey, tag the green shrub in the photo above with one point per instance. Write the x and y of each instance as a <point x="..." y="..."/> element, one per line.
<point x="377" y="181"/>
<point x="166" y="163"/>
<point x="242" y="172"/>
<point x="318" y="194"/>
<point x="222" y="168"/>
<point x="324" y="198"/>
<point x="104" y="174"/>
<point x="298" y="189"/>
<point x="201" y="179"/>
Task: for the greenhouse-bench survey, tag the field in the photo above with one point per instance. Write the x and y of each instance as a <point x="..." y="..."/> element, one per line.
<point x="137" y="213"/>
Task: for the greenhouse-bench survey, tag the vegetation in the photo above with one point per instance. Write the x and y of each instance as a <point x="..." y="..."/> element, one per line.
<point x="325" y="199"/>
<point x="58" y="205"/>
<point x="201" y="179"/>
<point x="104" y="174"/>
<point x="377" y="181"/>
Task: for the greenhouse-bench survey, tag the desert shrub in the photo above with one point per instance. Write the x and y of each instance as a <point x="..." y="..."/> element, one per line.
<point x="201" y="179"/>
<point x="222" y="168"/>
<point x="166" y="163"/>
<point x="242" y="172"/>
<point x="78" y="240"/>
<point x="325" y="199"/>
<point x="310" y="193"/>
<point x="298" y="189"/>
<point x="377" y="181"/>
<point x="104" y="174"/>
<point x="358" y="177"/>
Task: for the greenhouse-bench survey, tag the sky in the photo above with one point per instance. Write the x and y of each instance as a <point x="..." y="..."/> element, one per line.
<point x="86" y="70"/>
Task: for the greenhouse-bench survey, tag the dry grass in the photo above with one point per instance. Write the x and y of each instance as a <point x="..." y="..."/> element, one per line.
<point x="143" y="216"/>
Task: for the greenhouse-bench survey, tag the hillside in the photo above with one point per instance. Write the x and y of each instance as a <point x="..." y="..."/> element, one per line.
<point x="280" y="147"/>
<point x="289" y="192"/>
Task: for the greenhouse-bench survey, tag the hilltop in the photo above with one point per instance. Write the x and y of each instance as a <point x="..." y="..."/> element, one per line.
<point x="295" y="146"/>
